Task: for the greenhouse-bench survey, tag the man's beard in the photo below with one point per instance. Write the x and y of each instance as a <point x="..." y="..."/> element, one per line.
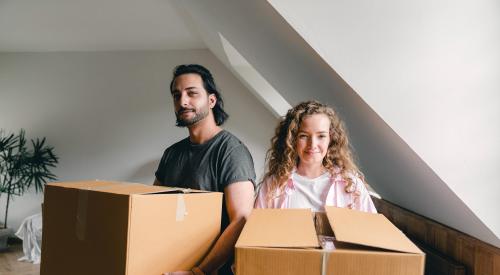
<point x="198" y="116"/>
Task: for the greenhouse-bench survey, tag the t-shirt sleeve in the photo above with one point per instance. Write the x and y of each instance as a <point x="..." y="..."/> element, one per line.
<point x="237" y="166"/>
<point x="161" y="170"/>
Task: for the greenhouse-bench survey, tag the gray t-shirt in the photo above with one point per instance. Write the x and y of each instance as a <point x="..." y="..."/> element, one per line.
<point x="211" y="166"/>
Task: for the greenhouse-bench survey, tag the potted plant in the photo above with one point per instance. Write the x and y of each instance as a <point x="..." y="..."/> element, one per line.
<point x="22" y="167"/>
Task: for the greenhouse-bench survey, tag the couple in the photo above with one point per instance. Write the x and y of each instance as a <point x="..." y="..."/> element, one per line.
<point x="310" y="164"/>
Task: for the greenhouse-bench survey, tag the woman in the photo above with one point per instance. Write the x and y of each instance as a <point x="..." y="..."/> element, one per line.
<point x="311" y="164"/>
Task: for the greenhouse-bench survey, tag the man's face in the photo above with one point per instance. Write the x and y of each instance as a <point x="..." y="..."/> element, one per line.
<point x="192" y="102"/>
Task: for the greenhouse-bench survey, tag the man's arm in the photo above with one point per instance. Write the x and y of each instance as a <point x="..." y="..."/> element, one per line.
<point x="239" y="197"/>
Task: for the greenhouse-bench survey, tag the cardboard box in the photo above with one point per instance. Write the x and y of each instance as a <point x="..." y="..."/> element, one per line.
<point x="284" y="241"/>
<point x="113" y="228"/>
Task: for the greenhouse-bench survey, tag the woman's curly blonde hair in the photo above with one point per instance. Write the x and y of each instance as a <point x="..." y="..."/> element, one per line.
<point x="282" y="157"/>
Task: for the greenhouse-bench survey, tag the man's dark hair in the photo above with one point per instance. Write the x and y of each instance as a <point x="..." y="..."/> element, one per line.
<point x="208" y="83"/>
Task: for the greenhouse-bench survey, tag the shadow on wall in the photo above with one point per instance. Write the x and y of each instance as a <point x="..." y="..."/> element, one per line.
<point x="145" y="173"/>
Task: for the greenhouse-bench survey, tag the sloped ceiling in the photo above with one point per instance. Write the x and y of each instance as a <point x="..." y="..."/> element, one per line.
<point x="297" y="71"/>
<point x="429" y="73"/>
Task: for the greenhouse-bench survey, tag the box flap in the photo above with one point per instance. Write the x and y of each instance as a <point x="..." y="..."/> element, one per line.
<point x="368" y="229"/>
<point x="116" y="187"/>
<point x="176" y="190"/>
<point x="86" y="184"/>
<point x="125" y="188"/>
<point x="279" y="228"/>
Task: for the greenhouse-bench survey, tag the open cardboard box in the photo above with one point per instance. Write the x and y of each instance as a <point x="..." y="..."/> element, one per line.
<point x="99" y="227"/>
<point x="285" y="241"/>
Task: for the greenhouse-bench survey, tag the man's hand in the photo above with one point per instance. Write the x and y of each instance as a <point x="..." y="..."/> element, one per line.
<point x="179" y="273"/>
<point x="194" y="271"/>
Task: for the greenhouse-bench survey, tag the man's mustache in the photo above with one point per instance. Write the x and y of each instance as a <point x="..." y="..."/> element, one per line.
<point x="184" y="109"/>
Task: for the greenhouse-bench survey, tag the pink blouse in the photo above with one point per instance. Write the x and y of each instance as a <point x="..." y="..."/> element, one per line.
<point x="359" y="199"/>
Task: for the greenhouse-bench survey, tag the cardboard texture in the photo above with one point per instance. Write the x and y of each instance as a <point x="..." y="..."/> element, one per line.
<point x="296" y="229"/>
<point x="98" y="227"/>
<point x="365" y="244"/>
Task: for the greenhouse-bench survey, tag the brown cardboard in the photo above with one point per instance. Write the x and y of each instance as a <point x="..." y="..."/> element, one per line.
<point x="98" y="227"/>
<point x="296" y="229"/>
<point x="365" y="244"/>
<point x="358" y="227"/>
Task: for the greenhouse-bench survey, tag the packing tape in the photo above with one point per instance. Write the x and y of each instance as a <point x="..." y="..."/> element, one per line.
<point x="327" y="246"/>
<point x="180" y="212"/>
<point x="324" y="262"/>
<point x="81" y="209"/>
<point x="82" y="206"/>
<point x="81" y="214"/>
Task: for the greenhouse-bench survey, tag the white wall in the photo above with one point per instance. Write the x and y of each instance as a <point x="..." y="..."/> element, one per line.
<point x="296" y="70"/>
<point x="109" y="115"/>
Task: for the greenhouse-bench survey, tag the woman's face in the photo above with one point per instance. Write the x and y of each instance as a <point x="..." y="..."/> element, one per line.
<point x="313" y="139"/>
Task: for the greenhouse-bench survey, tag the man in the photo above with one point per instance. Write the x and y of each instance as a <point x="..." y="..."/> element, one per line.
<point x="209" y="159"/>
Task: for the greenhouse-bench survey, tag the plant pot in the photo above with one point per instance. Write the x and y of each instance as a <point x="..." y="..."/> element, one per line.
<point x="5" y="234"/>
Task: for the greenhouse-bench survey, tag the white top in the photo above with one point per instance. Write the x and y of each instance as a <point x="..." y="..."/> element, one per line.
<point x="310" y="193"/>
<point x="331" y="193"/>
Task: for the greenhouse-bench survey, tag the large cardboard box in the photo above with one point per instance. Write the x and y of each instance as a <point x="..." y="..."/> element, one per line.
<point x="113" y="228"/>
<point x="285" y="241"/>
